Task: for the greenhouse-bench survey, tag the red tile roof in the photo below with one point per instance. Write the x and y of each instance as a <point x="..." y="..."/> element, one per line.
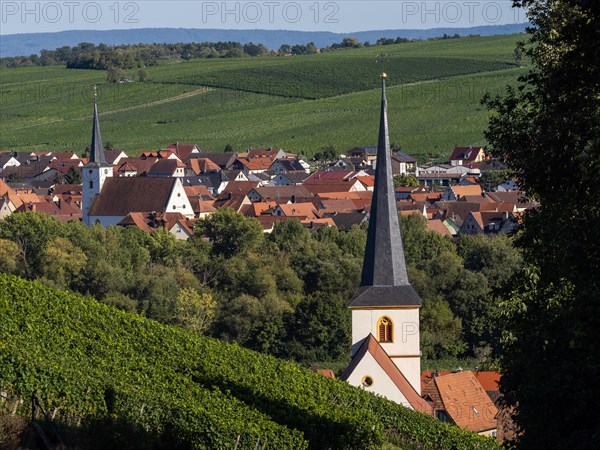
<point x="331" y="176"/>
<point x="63" y="211"/>
<point x="468" y="154"/>
<point x="198" y="191"/>
<point x="122" y="195"/>
<point x="258" y="163"/>
<point x="270" y="153"/>
<point x="346" y="186"/>
<point x="353" y="195"/>
<point x="202" y="165"/>
<point x="240" y="187"/>
<point x="182" y="150"/>
<point x="368" y="181"/>
<point x="472" y="189"/>
<point x="283" y="192"/>
<point x="300" y="210"/>
<point x="488" y="380"/>
<point x="438" y="226"/>
<point x="165" y="167"/>
<point x="466" y="402"/>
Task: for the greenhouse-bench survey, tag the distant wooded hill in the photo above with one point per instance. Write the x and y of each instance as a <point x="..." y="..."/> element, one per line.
<point x="33" y="43"/>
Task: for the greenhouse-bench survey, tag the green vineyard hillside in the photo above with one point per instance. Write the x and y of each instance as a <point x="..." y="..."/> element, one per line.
<point x="88" y="362"/>
<point x="300" y="103"/>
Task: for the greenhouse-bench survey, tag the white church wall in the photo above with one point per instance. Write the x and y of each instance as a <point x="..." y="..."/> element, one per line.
<point x="382" y="384"/>
<point x="405" y="322"/>
<point x="404" y="349"/>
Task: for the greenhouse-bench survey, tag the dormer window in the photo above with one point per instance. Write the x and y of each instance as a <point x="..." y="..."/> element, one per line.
<point x="385" y="330"/>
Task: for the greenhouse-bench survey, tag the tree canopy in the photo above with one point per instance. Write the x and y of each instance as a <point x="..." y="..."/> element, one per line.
<point x="285" y="293"/>
<point x="548" y="132"/>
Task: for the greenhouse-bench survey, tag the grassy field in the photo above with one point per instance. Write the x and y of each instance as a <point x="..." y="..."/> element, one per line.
<point x="299" y="103"/>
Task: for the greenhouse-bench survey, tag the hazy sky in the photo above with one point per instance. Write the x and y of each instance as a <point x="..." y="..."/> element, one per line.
<point x="338" y="16"/>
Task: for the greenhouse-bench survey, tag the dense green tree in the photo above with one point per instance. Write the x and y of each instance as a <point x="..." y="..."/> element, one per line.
<point x="73" y="176"/>
<point x="255" y="49"/>
<point x="62" y="262"/>
<point x="421" y="245"/>
<point x="351" y="42"/>
<point x="142" y="75"/>
<point x="9" y="254"/>
<point x="319" y="329"/>
<point x="490" y="179"/>
<point x="195" y="310"/>
<point x="114" y="74"/>
<point x="290" y="235"/>
<point x="230" y="232"/>
<point x="494" y="256"/>
<point x="548" y="131"/>
<point x="441" y="330"/>
<point x="120" y="301"/>
<point x="405" y="180"/>
<point x="31" y="232"/>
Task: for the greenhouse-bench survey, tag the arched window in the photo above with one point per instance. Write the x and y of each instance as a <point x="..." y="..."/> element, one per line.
<point x="384" y="327"/>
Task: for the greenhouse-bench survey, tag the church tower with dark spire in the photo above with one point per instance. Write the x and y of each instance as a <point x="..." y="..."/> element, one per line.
<point x="385" y="309"/>
<point x="96" y="171"/>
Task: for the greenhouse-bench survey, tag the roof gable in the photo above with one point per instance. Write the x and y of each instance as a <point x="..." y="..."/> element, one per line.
<point x="468" y="154"/>
<point x="371" y="346"/>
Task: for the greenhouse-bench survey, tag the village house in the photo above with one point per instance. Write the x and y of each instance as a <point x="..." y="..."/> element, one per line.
<point x="488" y="222"/>
<point x="507" y="186"/>
<point x="223" y="160"/>
<point x="289" y="165"/>
<point x="301" y="211"/>
<point x="346" y="220"/>
<point x="114" y="157"/>
<point x="403" y="164"/>
<point x="459" y="398"/>
<point x="464" y="156"/>
<point x="215" y="182"/>
<point x="367" y="154"/>
<point x="175" y="223"/>
<point x="403" y="192"/>
<point x="61" y="210"/>
<point x="167" y="168"/>
<point x="350" y="163"/>
<point x="8" y="160"/>
<point x="271" y="153"/>
<point x="197" y="166"/>
<point x="184" y="151"/>
<point x="456" y="192"/>
<point x="289" y="179"/>
<point x="255" y="165"/>
<point x="283" y="194"/>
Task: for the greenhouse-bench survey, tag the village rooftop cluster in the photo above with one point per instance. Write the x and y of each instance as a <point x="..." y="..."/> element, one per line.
<point x="179" y="184"/>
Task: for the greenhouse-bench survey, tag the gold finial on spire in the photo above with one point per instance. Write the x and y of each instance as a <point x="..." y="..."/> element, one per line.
<point x="95" y="92"/>
<point x="382" y="59"/>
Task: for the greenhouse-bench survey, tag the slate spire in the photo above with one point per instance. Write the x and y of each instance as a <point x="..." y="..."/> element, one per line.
<point x="96" y="149"/>
<point x="384" y="280"/>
